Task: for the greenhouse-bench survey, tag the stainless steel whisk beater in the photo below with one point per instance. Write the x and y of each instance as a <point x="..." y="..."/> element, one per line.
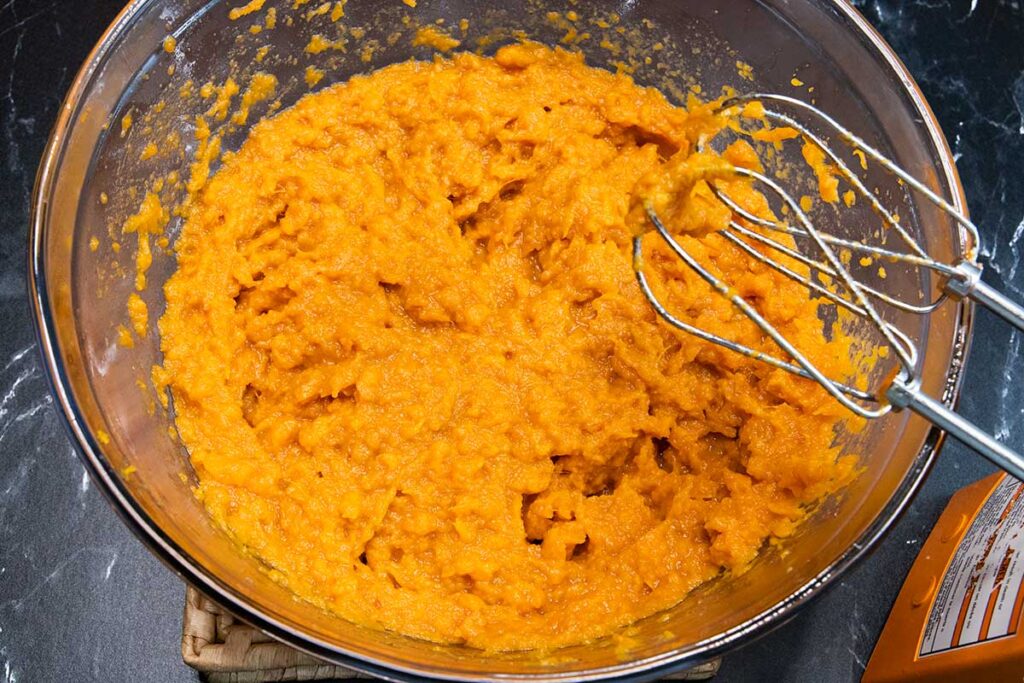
<point x="961" y="280"/>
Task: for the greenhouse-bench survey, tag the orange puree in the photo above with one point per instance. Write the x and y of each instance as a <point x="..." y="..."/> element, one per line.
<point x="418" y="380"/>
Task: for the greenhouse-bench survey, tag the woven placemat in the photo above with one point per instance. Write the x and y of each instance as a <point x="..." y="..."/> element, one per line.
<point x="227" y="650"/>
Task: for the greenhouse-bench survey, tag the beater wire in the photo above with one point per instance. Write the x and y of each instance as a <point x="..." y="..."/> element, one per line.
<point x="815" y="249"/>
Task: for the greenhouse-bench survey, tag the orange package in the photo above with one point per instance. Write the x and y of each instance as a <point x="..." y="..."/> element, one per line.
<point x="957" y="616"/>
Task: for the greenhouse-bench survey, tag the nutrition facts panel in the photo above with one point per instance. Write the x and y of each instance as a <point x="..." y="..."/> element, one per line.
<point x="980" y="596"/>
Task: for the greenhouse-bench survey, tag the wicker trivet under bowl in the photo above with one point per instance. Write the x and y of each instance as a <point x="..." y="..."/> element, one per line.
<point x="226" y="650"/>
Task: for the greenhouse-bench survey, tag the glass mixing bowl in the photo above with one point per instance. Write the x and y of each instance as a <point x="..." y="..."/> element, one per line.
<point x="92" y="177"/>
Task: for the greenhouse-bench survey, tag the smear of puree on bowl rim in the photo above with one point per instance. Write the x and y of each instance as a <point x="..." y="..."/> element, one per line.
<point x="417" y="378"/>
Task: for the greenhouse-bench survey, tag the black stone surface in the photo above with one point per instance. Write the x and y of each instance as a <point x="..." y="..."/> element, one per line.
<point x="80" y="599"/>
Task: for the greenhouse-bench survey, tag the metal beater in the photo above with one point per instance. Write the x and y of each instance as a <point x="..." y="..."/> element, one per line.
<point x="817" y="250"/>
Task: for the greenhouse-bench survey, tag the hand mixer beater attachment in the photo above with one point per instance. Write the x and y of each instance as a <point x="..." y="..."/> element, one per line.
<point x="827" y="274"/>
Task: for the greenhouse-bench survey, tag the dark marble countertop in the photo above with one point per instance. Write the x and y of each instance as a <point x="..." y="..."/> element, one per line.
<point x="81" y="599"/>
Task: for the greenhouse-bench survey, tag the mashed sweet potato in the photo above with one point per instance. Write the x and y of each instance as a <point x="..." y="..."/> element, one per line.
<point x="417" y="378"/>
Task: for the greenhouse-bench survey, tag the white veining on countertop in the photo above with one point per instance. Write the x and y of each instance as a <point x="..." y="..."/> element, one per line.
<point x="1010" y="407"/>
<point x="1015" y="262"/>
<point x="25" y="380"/>
<point x="10" y="126"/>
<point x="12" y="392"/>
<point x="1018" y="99"/>
<point x="17" y="604"/>
<point x="110" y="567"/>
<point x="1006" y="265"/>
<point x="857" y="631"/>
<point x="10" y="676"/>
<point x="18" y="356"/>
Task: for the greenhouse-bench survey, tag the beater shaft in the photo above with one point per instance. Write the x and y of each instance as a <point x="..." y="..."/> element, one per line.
<point x="963" y="430"/>
<point x="971" y="286"/>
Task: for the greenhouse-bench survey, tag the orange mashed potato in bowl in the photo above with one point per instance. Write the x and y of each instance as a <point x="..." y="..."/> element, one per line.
<point x="417" y="378"/>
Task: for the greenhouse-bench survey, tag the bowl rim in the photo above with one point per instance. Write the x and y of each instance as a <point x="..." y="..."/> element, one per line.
<point x="179" y="561"/>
